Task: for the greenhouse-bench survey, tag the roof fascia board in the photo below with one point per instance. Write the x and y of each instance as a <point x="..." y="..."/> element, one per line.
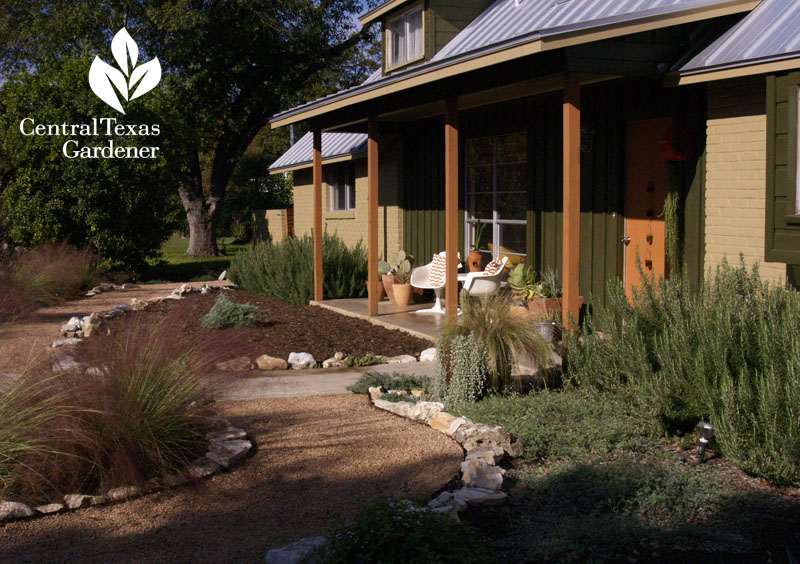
<point x="737" y="71"/>
<point x="378" y="11"/>
<point x="309" y="164"/>
<point x="531" y="45"/>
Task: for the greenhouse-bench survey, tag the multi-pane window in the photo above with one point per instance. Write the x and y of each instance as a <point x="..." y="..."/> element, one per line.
<point x="404" y="37"/>
<point x="497" y="194"/>
<point x="341" y="179"/>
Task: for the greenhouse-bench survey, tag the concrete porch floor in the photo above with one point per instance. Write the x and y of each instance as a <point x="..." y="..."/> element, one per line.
<point x="390" y="315"/>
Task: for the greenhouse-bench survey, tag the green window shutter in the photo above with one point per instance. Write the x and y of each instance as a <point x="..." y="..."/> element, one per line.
<point x="782" y="217"/>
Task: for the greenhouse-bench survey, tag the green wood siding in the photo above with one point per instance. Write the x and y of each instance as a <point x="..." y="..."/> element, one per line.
<point x="782" y="224"/>
<point x="606" y="109"/>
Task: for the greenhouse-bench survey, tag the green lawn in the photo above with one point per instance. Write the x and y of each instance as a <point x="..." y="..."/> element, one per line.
<point x="175" y="266"/>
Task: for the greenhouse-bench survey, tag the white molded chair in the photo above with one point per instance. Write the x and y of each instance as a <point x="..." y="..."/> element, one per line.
<point x="482" y="284"/>
<point x="421" y="278"/>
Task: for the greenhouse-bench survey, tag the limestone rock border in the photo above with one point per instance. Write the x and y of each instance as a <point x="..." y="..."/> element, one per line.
<point x="228" y="446"/>
<point x="485" y="448"/>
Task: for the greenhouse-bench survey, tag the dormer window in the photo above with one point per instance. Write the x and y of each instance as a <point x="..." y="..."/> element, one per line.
<point x="404" y="38"/>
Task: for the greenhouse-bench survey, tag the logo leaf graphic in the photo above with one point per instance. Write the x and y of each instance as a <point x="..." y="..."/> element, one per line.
<point x="101" y="77"/>
<point x="122" y="47"/>
<point x="149" y="73"/>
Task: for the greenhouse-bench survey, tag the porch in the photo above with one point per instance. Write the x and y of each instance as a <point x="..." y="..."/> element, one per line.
<point x="389" y="315"/>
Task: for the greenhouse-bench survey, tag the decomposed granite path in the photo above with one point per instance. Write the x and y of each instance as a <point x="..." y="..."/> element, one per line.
<point x="318" y="459"/>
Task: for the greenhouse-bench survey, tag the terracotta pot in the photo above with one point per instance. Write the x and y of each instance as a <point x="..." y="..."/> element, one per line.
<point x="475" y="261"/>
<point x="381" y="290"/>
<point x="388" y="283"/>
<point x="402" y="294"/>
<point x="547" y="309"/>
<point x="520" y="312"/>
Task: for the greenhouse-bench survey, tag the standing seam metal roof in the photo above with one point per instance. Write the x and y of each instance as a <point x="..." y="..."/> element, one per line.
<point x="769" y="33"/>
<point x="334" y="144"/>
<point x="518" y="21"/>
<point x="504" y="20"/>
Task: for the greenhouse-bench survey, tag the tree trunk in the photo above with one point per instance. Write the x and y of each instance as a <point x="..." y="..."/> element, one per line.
<point x="201" y="216"/>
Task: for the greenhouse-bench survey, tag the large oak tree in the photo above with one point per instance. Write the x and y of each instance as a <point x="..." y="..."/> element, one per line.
<point x="227" y="67"/>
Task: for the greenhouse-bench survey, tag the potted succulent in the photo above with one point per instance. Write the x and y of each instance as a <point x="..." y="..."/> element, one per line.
<point x="541" y="295"/>
<point x="475" y="258"/>
<point x="400" y="266"/>
<point x="383" y="270"/>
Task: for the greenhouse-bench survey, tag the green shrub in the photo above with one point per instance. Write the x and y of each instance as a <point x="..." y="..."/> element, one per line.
<point x="462" y="370"/>
<point x="368" y="359"/>
<point x="401" y="532"/>
<point x="285" y="270"/>
<point x="225" y="313"/>
<point x="507" y="338"/>
<point x="727" y="350"/>
<point x="394" y="381"/>
<point x="394" y="397"/>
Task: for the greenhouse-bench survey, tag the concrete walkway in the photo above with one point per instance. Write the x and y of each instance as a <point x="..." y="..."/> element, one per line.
<point x="314" y="382"/>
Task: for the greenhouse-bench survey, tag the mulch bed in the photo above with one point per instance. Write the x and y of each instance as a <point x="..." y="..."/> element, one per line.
<point x="310" y="329"/>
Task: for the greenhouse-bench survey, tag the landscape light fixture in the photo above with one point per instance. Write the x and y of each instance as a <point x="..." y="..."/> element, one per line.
<point x="706" y="431"/>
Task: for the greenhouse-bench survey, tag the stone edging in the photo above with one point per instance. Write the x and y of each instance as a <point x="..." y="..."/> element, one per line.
<point x="228" y="446"/>
<point x="482" y="478"/>
<point x="485" y="447"/>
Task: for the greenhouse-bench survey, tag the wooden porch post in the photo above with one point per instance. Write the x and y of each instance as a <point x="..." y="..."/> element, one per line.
<point x="451" y="208"/>
<point x="572" y="198"/>
<point x="317" y="168"/>
<point x="372" y="214"/>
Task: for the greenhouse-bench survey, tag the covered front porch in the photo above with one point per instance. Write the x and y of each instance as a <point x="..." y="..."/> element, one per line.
<point x="390" y="315"/>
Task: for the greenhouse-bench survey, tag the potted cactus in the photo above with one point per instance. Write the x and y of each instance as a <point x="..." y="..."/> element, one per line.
<point x="387" y="278"/>
<point x="475" y="258"/>
<point x="400" y="266"/>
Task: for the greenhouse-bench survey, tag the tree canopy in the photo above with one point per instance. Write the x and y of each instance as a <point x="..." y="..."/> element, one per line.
<point x="226" y="68"/>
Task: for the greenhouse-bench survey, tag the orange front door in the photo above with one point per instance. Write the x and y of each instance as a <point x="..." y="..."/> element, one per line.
<point x="645" y="191"/>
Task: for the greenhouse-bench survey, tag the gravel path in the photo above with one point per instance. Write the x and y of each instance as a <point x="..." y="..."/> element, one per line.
<point x="24" y="343"/>
<point x="318" y="459"/>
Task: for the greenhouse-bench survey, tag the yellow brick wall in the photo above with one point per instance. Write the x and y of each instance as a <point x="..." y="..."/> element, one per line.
<point x="736" y="180"/>
<point x="351" y="226"/>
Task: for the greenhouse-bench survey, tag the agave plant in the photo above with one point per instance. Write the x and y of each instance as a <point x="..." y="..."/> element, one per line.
<point x="526" y="284"/>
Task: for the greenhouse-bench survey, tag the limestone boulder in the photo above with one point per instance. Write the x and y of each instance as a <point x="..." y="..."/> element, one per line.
<point x="428" y="355"/>
<point x="229" y="434"/>
<point x="266" y="362"/>
<point x="124" y="492"/>
<point x="301" y="361"/>
<point x="478" y="497"/>
<point x="296" y="553"/>
<point x="50" y="508"/>
<point x="401" y="359"/>
<point x="441" y="421"/>
<point x="10" y="510"/>
<point x="228" y="454"/>
<point x="241" y="364"/>
<point x="479" y="474"/>
<point x="74" y="324"/>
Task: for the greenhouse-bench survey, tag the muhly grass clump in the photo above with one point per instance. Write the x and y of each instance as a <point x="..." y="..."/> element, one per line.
<point x="43" y="275"/>
<point x="225" y="314"/>
<point x="507" y="339"/>
<point x="129" y="415"/>
<point x="285" y="270"/>
<point x="726" y="350"/>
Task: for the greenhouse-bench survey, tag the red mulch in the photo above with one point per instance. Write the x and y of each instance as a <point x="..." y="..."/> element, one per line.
<point x="310" y="329"/>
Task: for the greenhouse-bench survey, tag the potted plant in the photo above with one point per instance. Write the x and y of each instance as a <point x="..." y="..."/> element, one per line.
<point x="383" y="269"/>
<point x="475" y="258"/>
<point x="400" y="266"/>
<point x="387" y="278"/>
<point x="541" y="295"/>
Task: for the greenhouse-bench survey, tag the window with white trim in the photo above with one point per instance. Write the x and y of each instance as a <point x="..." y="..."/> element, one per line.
<point x="342" y="182"/>
<point x="404" y="38"/>
<point x="497" y="182"/>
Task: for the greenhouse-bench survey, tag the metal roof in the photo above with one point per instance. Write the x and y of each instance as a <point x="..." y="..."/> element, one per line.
<point x="334" y="144"/>
<point x="509" y="23"/>
<point x="769" y="33"/>
<point x="506" y="20"/>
